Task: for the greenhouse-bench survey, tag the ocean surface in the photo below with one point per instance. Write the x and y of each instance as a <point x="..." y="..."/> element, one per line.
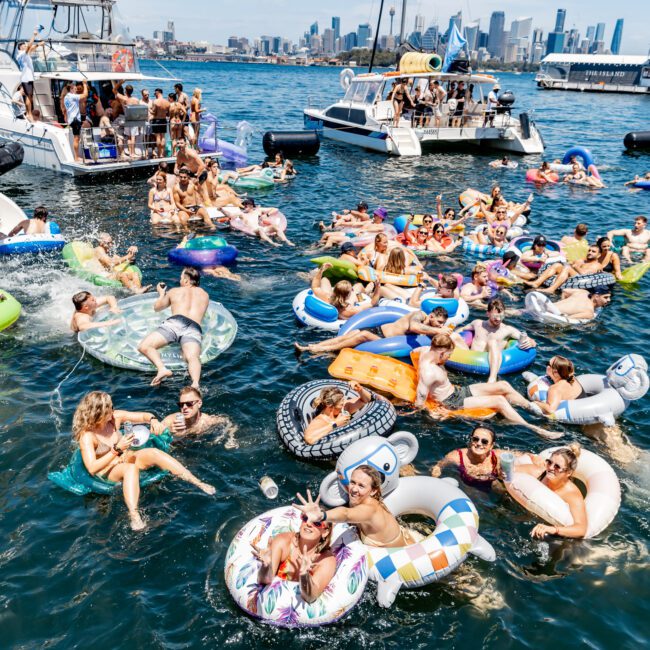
<point x="72" y="573"/>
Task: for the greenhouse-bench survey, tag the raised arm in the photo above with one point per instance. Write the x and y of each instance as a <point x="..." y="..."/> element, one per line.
<point x="450" y="459"/>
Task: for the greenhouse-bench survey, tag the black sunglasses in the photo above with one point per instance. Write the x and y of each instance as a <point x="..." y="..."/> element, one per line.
<point x="315" y="524"/>
<point x="483" y="441"/>
<point x="190" y="404"/>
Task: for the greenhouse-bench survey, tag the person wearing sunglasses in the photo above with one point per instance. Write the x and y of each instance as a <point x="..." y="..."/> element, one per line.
<point x="304" y="557"/>
<point x="448" y="217"/>
<point x="190" y="419"/>
<point x="556" y="473"/>
<point x="441" y="242"/>
<point x="489" y="236"/>
<point x="115" y="266"/>
<point x="478" y="463"/>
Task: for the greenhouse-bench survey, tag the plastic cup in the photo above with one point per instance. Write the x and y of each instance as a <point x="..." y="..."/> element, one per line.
<point x="507" y="460"/>
<point x="269" y="487"/>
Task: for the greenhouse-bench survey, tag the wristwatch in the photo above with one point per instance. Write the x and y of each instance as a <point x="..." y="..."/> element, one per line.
<point x="117" y="450"/>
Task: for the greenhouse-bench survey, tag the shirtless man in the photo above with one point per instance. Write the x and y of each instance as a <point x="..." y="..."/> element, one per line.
<point x="86" y="306"/>
<point x="188" y="158"/>
<point x="129" y="279"/>
<point x="337" y="237"/>
<point x="588" y="266"/>
<point x="158" y="114"/>
<point x="636" y="239"/>
<point x="193" y="421"/>
<point x="188" y="304"/>
<point x="492" y="336"/>
<point x="439" y="96"/>
<point x="579" y="235"/>
<point x="578" y="176"/>
<point x="188" y="200"/>
<point x="37" y="225"/>
<point x="416" y="322"/>
<point x="478" y="290"/>
<point x="434" y="383"/>
<point x="127" y="99"/>
<point x="221" y="194"/>
<point x="580" y="303"/>
<point x="256" y="219"/>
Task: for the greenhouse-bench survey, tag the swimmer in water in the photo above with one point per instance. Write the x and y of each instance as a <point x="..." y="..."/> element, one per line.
<point x="37" y="225"/>
<point x="86" y="306"/>
<point x="636" y="239"/>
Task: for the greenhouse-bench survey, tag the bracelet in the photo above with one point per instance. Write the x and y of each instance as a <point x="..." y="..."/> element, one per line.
<point x="117" y="450"/>
<point x="324" y="516"/>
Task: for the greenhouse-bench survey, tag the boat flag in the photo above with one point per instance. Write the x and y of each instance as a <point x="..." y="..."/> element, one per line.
<point x="455" y="43"/>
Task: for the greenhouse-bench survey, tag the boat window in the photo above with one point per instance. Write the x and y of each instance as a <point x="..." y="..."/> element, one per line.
<point x="362" y="92"/>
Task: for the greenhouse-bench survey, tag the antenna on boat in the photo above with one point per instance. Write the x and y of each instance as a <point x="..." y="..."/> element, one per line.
<point x="402" y="27"/>
<point x="374" y="45"/>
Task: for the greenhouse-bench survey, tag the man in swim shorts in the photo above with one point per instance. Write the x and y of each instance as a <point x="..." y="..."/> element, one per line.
<point x="188" y="304"/>
<point x="187" y="158"/>
<point x="86" y="306"/>
<point x="37" y="225"/>
<point x="188" y="200"/>
<point x="636" y="239"/>
<point x="433" y="383"/>
<point x="159" y="112"/>
<point x="492" y="336"/>
<point x="416" y="322"/>
<point x="580" y="303"/>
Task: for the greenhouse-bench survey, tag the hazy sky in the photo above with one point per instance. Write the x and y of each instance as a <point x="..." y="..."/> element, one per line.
<point x="215" y="20"/>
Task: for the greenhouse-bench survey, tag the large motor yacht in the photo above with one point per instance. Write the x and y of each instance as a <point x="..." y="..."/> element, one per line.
<point x="365" y="117"/>
<point x="79" y="40"/>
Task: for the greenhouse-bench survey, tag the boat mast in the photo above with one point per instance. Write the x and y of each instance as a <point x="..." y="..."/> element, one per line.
<point x="374" y="45"/>
<point x="402" y="28"/>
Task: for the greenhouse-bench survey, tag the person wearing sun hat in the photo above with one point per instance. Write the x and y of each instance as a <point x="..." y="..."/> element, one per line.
<point x="491" y="107"/>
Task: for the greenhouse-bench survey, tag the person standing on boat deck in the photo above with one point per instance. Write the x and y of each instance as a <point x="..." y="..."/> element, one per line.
<point x="195" y="116"/>
<point x="24" y="61"/>
<point x="439" y="97"/>
<point x="184" y="101"/>
<point x="73" y="114"/>
<point x="399" y="95"/>
<point x="188" y="304"/>
<point x="491" y="107"/>
<point x="148" y="139"/>
<point x="127" y="99"/>
<point x="428" y="101"/>
<point x="457" y="118"/>
<point x="158" y="114"/>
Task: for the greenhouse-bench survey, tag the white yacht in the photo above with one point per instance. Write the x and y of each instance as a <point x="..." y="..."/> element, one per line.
<point x="80" y="40"/>
<point x="364" y="117"/>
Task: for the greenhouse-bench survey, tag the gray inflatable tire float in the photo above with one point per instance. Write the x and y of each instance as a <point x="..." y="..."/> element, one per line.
<point x="375" y="419"/>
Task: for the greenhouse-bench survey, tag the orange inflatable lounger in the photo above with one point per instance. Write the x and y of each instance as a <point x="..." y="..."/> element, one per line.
<point x="393" y="377"/>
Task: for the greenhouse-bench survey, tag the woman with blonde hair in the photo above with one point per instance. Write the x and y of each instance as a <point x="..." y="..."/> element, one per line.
<point x="565" y="385"/>
<point x="195" y="116"/>
<point x="106" y="452"/>
<point x="555" y="473"/>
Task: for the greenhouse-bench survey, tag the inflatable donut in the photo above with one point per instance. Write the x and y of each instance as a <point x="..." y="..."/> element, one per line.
<point x="203" y="251"/>
<point x="51" y="240"/>
<point x="590" y="281"/>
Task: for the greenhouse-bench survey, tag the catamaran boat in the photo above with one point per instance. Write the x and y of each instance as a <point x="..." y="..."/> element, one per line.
<point x="365" y="117"/>
<point x="80" y="40"/>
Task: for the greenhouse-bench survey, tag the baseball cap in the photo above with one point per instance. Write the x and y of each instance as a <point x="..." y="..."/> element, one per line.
<point x="347" y="247"/>
<point x="540" y="240"/>
<point x="248" y="202"/>
<point x="382" y="213"/>
<point x="496" y="87"/>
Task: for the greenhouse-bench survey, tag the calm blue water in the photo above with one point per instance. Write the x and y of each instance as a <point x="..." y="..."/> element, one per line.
<point x="72" y="573"/>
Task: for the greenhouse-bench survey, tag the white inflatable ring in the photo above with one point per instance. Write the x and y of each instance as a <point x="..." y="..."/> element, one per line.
<point x="345" y="77"/>
<point x="602" y="500"/>
<point x="281" y="603"/>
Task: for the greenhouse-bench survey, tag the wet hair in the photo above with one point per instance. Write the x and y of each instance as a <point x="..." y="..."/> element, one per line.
<point x="128" y="89"/>
<point x="92" y="409"/>
<point x="40" y="213"/>
<point x="600" y="241"/>
<point x="440" y="311"/>
<point x="483" y="427"/>
<point x="190" y="389"/>
<point x="376" y="479"/>
<point x="192" y="275"/>
<point x="442" y="342"/>
<point x="496" y="304"/>
<point x="582" y="229"/>
<point x="564" y="367"/>
<point x="340" y="294"/>
<point x="329" y="396"/>
<point x="478" y="269"/>
<point x="644" y="219"/>
<point x="570" y="453"/>
<point x="79" y="299"/>
<point x="449" y="281"/>
<point x="396" y="261"/>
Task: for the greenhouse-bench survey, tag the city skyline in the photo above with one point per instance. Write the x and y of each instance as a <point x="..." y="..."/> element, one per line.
<point x="290" y="19"/>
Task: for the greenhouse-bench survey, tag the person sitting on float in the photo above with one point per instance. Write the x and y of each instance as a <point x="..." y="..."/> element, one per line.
<point x="501" y="213"/>
<point x="348" y="218"/>
<point x="579" y="177"/>
<point x="334" y="411"/>
<point x="545" y="173"/>
<point x="337" y="237"/>
<point x="304" y="557"/>
<point x="492" y="236"/>
<point x="565" y="385"/>
<point x="478" y="463"/>
<point x="397" y="265"/>
<point x="376" y="525"/>
<point x="610" y="261"/>
<point x="555" y="473"/>
<point x="448" y="218"/>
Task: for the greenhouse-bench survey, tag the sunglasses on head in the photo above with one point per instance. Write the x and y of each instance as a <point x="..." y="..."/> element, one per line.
<point x="189" y="404"/>
<point x="554" y="466"/>
<point x="315" y="524"/>
<point x="478" y="439"/>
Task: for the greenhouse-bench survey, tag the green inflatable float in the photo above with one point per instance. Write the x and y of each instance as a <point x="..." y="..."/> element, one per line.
<point x="9" y="310"/>
<point x="80" y="258"/>
<point x="341" y="269"/>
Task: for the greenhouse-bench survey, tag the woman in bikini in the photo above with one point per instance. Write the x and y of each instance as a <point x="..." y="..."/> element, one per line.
<point x="161" y="203"/>
<point x="478" y="463"/>
<point x="303" y="557"/>
<point x="333" y="411"/>
<point x="106" y="452"/>
<point x="399" y="95"/>
<point x="609" y="260"/>
<point x="565" y="385"/>
<point x="377" y="526"/>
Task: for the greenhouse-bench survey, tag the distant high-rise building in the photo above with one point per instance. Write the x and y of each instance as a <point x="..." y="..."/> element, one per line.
<point x="495" y="35"/>
<point x="392" y="16"/>
<point x="456" y="20"/>
<point x="364" y="32"/>
<point x="471" y="36"/>
<point x="573" y="41"/>
<point x="430" y="39"/>
<point x="419" y="23"/>
<point x="555" y="43"/>
<point x="328" y="41"/>
<point x="349" y="41"/>
<point x="559" y="20"/>
<point x="618" y="37"/>
<point x="313" y="29"/>
<point x="315" y="44"/>
<point x="276" y="45"/>
<point x="233" y="42"/>
<point x="520" y="28"/>
<point x="415" y="39"/>
<point x="538" y="35"/>
<point x="600" y="32"/>
<point x="482" y="40"/>
<point x="387" y="42"/>
<point x="336" y="26"/>
<point x="591" y="32"/>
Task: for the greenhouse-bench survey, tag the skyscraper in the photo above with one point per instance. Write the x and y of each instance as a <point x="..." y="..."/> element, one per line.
<point x="495" y="35"/>
<point x="419" y="23"/>
<point x="457" y="20"/>
<point x="591" y="32"/>
<point x="328" y="41"/>
<point x="600" y="32"/>
<point x="618" y="36"/>
<point x="430" y="39"/>
<point x="350" y="41"/>
<point x="336" y="26"/>
<point x="313" y="29"/>
<point x="559" y="20"/>
<point x="520" y="28"/>
<point x="555" y="43"/>
<point x="471" y="36"/>
<point x="364" y="32"/>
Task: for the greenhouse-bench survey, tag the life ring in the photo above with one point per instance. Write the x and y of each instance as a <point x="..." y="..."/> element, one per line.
<point x="520" y="245"/>
<point x="482" y="251"/>
<point x="281" y="603"/>
<point x="643" y="185"/>
<point x="314" y="312"/>
<point x="123" y="60"/>
<point x="345" y="78"/>
<point x="602" y="500"/>
<point x="277" y="219"/>
<point x="80" y="258"/>
<point x="533" y="176"/>
<point x="296" y="412"/>
<point x="582" y="152"/>
<point x="51" y="240"/>
<point x="363" y="240"/>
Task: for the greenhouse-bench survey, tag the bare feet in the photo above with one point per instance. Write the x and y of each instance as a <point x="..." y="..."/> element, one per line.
<point x="300" y="348"/>
<point x="206" y="487"/>
<point x="137" y="523"/>
<point x="161" y="376"/>
<point x="551" y="435"/>
<point x="139" y="290"/>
